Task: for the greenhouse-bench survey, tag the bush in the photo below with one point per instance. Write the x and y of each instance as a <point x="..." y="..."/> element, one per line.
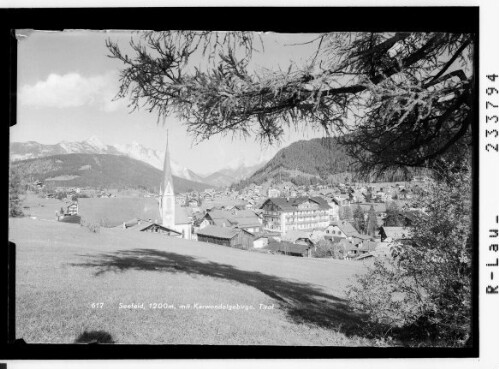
<point x="61" y="196"/>
<point x="327" y="249"/>
<point x="424" y="291"/>
<point x="15" y="191"/>
<point x="92" y="226"/>
<point x="323" y="249"/>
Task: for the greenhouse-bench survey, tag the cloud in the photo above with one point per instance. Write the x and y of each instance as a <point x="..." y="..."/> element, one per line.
<point x="73" y="90"/>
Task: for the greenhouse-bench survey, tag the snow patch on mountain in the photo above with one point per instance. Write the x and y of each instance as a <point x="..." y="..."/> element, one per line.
<point x="239" y="168"/>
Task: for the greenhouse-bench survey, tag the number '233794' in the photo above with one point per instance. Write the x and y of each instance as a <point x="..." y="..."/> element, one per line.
<point x="490" y="106"/>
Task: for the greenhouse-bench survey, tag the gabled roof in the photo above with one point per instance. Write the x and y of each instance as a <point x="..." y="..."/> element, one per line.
<point x="263" y="234"/>
<point x="347" y="228"/>
<point x="334" y="239"/>
<point x="147" y="226"/>
<point x="218" y="232"/>
<point x="363" y="237"/>
<point x="292" y="203"/>
<point x="131" y="223"/>
<point x="234" y="218"/>
<point x="293" y="235"/>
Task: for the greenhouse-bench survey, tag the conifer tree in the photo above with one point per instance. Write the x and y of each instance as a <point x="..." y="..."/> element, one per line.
<point x="372" y="223"/>
<point x="412" y="91"/>
<point x="393" y="217"/>
<point x="359" y="221"/>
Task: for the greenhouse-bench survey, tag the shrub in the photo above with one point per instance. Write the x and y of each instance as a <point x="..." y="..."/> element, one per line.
<point x="61" y="196"/>
<point x="15" y="191"/>
<point x="327" y="249"/>
<point x="425" y="289"/>
<point x="91" y="225"/>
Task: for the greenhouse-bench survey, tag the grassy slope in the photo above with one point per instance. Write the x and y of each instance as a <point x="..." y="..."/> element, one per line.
<point x="42" y="208"/>
<point x="63" y="268"/>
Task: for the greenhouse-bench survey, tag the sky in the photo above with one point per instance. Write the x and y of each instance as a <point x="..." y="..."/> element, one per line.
<point x="66" y="85"/>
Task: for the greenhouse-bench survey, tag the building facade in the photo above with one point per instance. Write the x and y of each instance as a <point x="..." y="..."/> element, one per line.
<point x="299" y="213"/>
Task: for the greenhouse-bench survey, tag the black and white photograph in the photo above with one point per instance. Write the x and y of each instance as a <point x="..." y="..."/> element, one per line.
<point x="245" y="187"/>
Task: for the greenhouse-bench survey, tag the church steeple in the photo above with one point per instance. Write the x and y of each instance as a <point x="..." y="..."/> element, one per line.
<point x="167" y="170"/>
<point x="167" y="195"/>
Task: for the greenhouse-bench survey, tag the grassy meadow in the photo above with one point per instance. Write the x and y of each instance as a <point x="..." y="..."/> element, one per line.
<point x="62" y="269"/>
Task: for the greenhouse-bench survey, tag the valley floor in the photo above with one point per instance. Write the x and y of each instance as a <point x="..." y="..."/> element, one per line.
<point x="63" y="269"/>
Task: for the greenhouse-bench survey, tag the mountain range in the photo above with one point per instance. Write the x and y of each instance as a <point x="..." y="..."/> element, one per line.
<point x="224" y="177"/>
<point x="98" y="170"/>
<point x="304" y="162"/>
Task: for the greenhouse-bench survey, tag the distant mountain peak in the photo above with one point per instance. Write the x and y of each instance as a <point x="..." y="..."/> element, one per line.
<point x="93" y="145"/>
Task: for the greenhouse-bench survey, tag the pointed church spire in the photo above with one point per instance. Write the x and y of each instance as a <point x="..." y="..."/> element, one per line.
<point x="167" y="194"/>
<point x="167" y="170"/>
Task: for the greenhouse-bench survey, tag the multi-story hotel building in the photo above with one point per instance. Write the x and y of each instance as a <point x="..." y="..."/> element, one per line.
<point x="282" y="214"/>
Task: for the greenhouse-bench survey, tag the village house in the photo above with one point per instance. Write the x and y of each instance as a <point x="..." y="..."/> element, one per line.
<point x="342" y="200"/>
<point x="260" y="241"/>
<point x="149" y="226"/>
<point x="299" y="213"/>
<point x="350" y="251"/>
<point x="243" y="219"/>
<point x="342" y="229"/>
<point x="273" y="192"/>
<point x="72" y="208"/>
<point x="230" y="237"/>
<point x="298" y="237"/>
<point x="219" y="235"/>
<point x="367" y="246"/>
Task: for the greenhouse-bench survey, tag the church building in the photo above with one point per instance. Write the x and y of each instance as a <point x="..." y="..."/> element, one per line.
<point x="167" y="209"/>
<point x="141" y="214"/>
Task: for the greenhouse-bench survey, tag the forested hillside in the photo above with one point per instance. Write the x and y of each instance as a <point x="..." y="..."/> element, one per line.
<point x="98" y="170"/>
<point x="320" y="160"/>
